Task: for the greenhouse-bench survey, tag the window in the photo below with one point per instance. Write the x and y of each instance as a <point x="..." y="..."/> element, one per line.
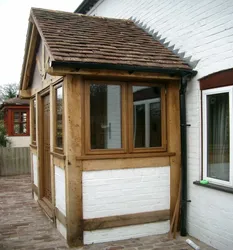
<point x="59" y="116"/>
<point x="120" y="123"/>
<point x="146" y="117"/>
<point x="217" y="141"/>
<point x="34" y="120"/>
<point x="20" y="123"/>
<point x="105" y="116"/>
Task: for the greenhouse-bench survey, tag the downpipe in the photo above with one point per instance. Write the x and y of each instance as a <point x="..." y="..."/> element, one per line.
<point x="183" y="129"/>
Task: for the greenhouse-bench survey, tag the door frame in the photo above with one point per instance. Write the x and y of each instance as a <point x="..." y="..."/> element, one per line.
<point x="46" y="205"/>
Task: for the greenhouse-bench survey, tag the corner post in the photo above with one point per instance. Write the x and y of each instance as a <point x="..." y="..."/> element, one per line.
<point x="73" y="169"/>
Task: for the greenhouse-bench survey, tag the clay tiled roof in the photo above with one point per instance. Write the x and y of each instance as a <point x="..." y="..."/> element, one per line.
<point x="75" y="38"/>
<point x="14" y="101"/>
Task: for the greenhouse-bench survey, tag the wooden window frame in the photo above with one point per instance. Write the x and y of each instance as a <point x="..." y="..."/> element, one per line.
<point x="12" y="123"/>
<point x="88" y="149"/>
<point x="205" y="93"/>
<point x="33" y="119"/>
<point x="126" y="115"/>
<point x="55" y="87"/>
<point x="163" y="147"/>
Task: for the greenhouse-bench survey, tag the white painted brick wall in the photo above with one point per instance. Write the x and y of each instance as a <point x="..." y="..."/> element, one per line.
<point x="35" y="169"/>
<point x="125" y="191"/>
<point x="203" y="29"/>
<point x="121" y="233"/>
<point x="60" y="191"/>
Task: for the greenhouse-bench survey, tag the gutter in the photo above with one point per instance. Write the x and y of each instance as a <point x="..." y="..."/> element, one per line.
<point x="130" y="68"/>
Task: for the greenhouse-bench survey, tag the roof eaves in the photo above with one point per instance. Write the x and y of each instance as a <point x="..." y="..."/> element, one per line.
<point x="129" y="68"/>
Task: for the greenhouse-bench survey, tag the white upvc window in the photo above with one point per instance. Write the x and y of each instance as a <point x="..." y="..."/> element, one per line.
<point x="217" y="135"/>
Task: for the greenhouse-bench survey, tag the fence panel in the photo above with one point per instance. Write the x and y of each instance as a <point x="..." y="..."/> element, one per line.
<point x="14" y="161"/>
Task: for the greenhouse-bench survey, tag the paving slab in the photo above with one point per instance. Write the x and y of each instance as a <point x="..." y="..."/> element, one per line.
<point x="24" y="226"/>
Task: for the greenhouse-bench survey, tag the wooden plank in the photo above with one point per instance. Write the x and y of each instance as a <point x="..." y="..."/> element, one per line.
<point x="25" y="94"/>
<point x="60" y="216"/>
<point x="108" y="73"/>
<point x="73" y="148"/>
<point x="126" y="220"/>
<point x="109" y="164"/>
<point x="173" y="136"/>
<point x="125" y="156"/>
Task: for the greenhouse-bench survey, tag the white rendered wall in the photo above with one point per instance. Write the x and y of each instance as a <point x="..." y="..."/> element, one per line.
<point x="125" y="191"/>
<point x="19" y="141"/>
<point x="204" y="30"/>
<point x="60" y="190"/>
<point x="35" y="169"/>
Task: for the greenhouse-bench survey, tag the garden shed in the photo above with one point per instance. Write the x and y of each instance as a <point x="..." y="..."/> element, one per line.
<point x="105" y="124"/>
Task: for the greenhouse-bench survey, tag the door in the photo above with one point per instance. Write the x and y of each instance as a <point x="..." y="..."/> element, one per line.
<point x="47" y="195"/>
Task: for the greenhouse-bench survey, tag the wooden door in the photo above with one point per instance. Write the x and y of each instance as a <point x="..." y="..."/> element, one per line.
<point x="46" y="148"/>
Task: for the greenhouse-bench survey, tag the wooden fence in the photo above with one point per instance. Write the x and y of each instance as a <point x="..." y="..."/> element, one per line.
<point x="14" y="161"/>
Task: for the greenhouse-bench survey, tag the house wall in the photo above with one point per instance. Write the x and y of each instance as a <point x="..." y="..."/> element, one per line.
<point x="125" y="191"/>
<point x="202" y="29"/>
<point x="19" y="141"/>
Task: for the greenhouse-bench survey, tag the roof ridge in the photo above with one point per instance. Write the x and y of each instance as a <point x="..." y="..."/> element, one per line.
<point x="170" y="46"/>
<point x="78" y="14"/>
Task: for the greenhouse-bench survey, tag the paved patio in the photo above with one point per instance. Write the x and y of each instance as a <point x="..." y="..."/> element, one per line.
<point x="24" y="226"/>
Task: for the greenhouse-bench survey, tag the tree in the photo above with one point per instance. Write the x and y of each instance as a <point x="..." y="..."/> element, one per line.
<point x="8" y="91"/>
<point x="4" y="141"/>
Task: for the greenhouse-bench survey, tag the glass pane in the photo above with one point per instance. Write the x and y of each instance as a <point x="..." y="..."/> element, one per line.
<point x="147" y="116"/>
<point x="105" y="120"/>
<point x="17" y="128"/>
<point x="155" y="124"/>
<point x="34" y="120"/>
<point x="218" y="134"/>
<point x="139" y="126"/>
<point x="16" y="117"/>
<point x="23" y="116"/>
<point x="59" y="110"/>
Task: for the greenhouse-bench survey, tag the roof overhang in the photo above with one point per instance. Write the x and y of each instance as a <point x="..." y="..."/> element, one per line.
<point x="74" y="67"/>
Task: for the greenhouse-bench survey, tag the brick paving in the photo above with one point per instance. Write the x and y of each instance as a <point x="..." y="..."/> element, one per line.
<point x="24" y="226"/>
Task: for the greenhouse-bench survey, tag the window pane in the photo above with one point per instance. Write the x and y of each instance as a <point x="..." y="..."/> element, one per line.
<point x="105" y="120"/>
<point x="16" y="117"/>
<point x="155" y="124"/>
<point x="218" y="136"/>
<point x="17" y="128"/>
<point x="139" y="126"/>
<point x="59" y="111"/>
<point x="34" y="120"/>
<point x="147" y="116"/>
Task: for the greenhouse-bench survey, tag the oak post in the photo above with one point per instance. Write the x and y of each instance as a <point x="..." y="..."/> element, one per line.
<point x="72" y="148"/>
<point x="173" y="136"/>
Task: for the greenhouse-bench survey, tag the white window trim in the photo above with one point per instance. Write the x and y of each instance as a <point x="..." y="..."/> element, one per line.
<point x="147" y="117"/>
<point x="205" y="93"/>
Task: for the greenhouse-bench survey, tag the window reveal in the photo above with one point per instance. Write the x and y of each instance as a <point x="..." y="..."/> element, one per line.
<point x="34" y="120"/>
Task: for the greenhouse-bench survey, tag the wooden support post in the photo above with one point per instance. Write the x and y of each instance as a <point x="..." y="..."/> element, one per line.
<point x="174" y="144"/>
<point x="72" y="146"/>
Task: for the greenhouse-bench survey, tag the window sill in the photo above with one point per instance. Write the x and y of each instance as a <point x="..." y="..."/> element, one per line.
<point x="214" y="186"/>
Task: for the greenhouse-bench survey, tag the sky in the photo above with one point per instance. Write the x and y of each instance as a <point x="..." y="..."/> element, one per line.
<point x="14" y="15"/>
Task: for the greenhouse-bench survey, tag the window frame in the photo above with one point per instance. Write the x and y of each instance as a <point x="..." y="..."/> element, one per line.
<point x="12" y="123"/>
<point x="88" y="149"/>
<point x="163" y="147"/>
<point x="33" y="119"/>
<point x="55" y="87"/>
<point x="205" y="93"/>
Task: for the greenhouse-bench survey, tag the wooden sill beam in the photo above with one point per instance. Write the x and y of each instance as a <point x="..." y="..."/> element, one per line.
<point x="126" y="220"/>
